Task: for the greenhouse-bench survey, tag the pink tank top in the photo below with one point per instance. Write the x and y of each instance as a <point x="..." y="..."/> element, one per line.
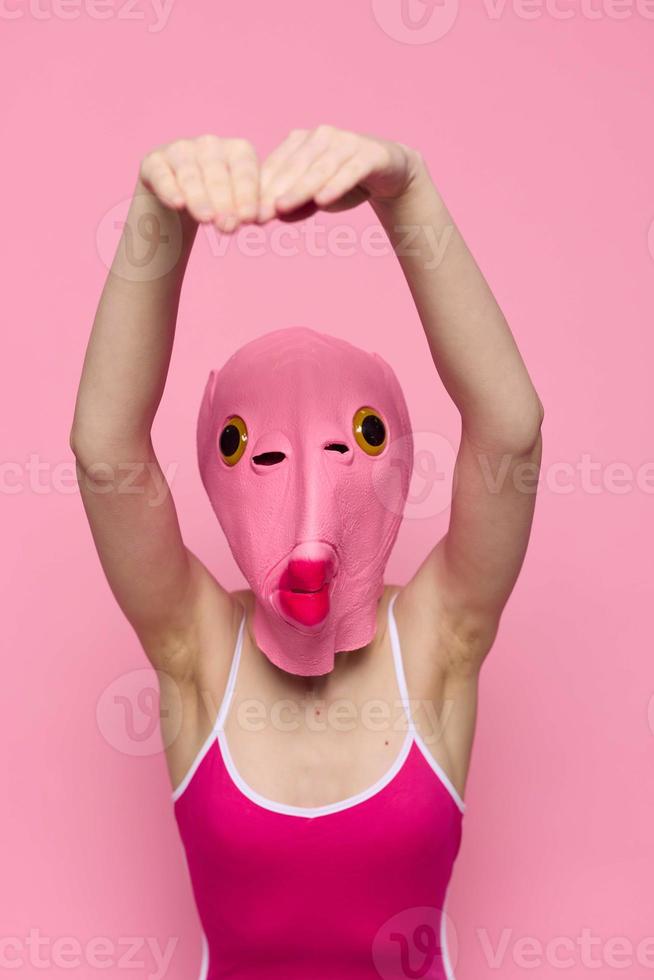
<point x="353" y="890"/>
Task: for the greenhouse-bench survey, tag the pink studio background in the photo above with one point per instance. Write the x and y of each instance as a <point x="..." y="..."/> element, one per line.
<point x="537" y="127"/>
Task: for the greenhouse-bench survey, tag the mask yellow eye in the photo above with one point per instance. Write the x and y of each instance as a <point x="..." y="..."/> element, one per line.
<point x="369" y="431"/>
<point x="233" y="440"/>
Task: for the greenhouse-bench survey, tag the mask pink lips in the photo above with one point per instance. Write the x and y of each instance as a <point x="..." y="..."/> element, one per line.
<point x="304" y="590"/>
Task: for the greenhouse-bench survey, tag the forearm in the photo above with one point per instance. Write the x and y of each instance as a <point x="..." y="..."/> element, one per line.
<point x="131" y="342"/>
<point x="472" y="346"/>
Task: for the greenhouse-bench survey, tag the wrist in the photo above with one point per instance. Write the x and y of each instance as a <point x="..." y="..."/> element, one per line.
<point x="417" y="171"/>
<point x="146" y="199"/>
<point x="416" y="186"/>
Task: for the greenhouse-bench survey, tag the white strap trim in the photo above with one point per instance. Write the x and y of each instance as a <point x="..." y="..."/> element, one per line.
<point x="204" y="966"/>
<point x="399" y="665"/>
<point x="220" y="718"/>
<point x="440" y="772"/>
<point x="445" y="955"/>
<point x="406" y="700"/>
<point x="231" y="680"/>
<point x="312" y="811"/>
<point x="204" y="962"/>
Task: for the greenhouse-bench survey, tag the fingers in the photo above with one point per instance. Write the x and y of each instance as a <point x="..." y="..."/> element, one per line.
<point x="158" y="176"/>
<point x="221" y="180"/>
<point x="219" y="187"/>
<point x="299" y="161"/>
<point x="244" y="168"/>
<point x="273" y="167"/>
<point x="183" y="157"/>
<point x="307" y="184"/>
<point x="215" y="179"/>
<point x="319" y="167"/>
<point x="352" y="171"/>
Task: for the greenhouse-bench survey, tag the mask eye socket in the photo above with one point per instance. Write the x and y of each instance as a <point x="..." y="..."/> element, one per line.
<point x="369" y="431"/>
<point x="233" y="440"/>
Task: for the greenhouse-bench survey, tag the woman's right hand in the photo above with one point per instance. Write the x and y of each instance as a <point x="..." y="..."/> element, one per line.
<point x="213" y="178"/>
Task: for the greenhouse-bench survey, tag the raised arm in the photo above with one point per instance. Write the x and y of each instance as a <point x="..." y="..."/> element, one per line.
<point x="463" y="585"/>
<point x="157" y="582"/>
<point x="459" y="592"/>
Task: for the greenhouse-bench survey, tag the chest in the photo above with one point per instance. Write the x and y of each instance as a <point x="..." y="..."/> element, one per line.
<point x="406" y="819"/>
<point x="334" y="879"/>
<point x="315" y="752"/>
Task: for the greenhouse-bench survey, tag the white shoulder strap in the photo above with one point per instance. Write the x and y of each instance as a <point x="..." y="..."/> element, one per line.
<point x="231" y="680"/>
<point x="404" y="694"/>
<point x="397" y="660"/>
<point x="220" y="719"/>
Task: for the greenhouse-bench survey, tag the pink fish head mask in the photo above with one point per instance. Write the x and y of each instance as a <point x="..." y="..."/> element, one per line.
<point x="305" y="451"/>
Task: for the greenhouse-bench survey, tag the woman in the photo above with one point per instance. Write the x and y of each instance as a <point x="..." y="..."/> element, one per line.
<point x="322" y="753"/>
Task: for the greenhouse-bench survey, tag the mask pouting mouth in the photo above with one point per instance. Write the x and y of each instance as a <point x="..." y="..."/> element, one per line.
<point x="303" y="590"/>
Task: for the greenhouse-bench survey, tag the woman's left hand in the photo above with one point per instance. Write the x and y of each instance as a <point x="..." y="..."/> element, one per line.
<point x="332" y="170"/>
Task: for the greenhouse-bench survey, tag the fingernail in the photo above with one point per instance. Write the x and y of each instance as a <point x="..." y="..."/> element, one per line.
<point x="247" y="212"/>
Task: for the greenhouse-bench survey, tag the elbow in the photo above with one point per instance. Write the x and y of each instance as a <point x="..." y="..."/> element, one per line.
<point x="80" y="438"/>
<point x="516" y="431"/>
<point x="83" y="448"/>
<point x="537" y="421"/>
<point x="524" y="434"/>
<point x="532" y="423"/>
<point x="73" y="442"/>
<point x="99" y="453"/>
<point x="87" y="455"/>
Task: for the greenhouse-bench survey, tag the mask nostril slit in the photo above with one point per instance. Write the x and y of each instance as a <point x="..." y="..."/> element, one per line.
<point x="269" y="459"/>
<point x="336" y="447"/>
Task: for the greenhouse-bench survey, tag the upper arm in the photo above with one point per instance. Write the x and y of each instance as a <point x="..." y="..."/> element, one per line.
<point x="158" y="583"/>
<point x="460" y="590"/>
